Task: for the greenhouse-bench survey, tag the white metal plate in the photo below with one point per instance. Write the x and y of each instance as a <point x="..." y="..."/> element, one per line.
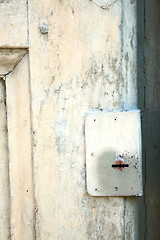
<point x="113" y="153"/>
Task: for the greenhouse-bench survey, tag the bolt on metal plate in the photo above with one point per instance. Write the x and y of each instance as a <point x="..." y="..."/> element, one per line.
<point x="113" y="153"/>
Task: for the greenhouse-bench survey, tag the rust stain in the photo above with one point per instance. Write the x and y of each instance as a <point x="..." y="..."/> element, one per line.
<point x="119" y="164"/>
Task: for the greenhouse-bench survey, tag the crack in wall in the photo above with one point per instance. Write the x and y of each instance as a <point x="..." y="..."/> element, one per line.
<point x="107" y="6"/>
<point x="32" y="133"/>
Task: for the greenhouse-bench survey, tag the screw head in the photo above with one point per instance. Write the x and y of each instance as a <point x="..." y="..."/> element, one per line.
<point x="44" y="29"/>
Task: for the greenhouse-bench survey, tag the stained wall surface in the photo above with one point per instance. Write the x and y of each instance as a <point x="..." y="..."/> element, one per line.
<point x="81" y="57"/>
<point x="86" y="61"/>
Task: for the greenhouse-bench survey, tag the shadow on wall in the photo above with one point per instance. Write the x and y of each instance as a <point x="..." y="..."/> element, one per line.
<point x="101" y="168"/>
<point x="148" y="60"/>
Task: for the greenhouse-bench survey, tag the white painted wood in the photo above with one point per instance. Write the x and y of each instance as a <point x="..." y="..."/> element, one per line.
<point x="4" y="169"/>
<point x="129" y="96"/>
<point x="13" y="1"/>
<point x="76" y="67"/>
<point x="13" y="24"/>
<point x="129" y="54"/>
<point x="20" y="152"/>
<point x="9" y="59"/>
<point x="79" y="65"/>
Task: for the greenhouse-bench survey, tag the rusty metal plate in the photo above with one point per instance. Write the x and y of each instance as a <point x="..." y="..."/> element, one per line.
<point x="113" y="153"/>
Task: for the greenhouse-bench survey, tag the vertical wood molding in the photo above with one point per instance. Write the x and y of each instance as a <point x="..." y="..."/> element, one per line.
<point x="20" y="152"/>
<point x="16" y="72"/>
<point x="15" y="69"/>
<point x="4" y="168"/>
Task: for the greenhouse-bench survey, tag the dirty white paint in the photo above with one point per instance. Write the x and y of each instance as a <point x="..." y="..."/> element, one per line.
<point x="129" y="54"/>
<point x="75" y="68"/>
<point x="78" y="65"/>
<point x="4" y="173"/>
<point x="9" y="59"/>
<point x="13" y="27"/>
<point x="20" y="152"/>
